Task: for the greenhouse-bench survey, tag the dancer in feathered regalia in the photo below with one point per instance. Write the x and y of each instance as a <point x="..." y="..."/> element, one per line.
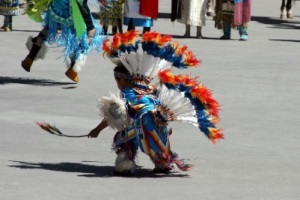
<point x="143" y="110"/>
<point x="68" y="24"/>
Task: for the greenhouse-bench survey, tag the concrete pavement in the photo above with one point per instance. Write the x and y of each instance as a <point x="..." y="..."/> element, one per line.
<point x="256" y="82"/>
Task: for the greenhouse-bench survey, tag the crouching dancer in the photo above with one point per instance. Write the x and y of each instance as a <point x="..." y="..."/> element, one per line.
<point x="143" y="110"/>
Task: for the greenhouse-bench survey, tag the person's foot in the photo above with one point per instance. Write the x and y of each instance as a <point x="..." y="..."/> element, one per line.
<point x="26" y="64"/>
<point x="244" y="38"/>
<point x="243" y="33"/>
<point x="186" y="35"/>
<point x="283" y="14"/>
<point x="289" y="14"/>
<point x="5" y="29"/>
<point x="199" y="33"/>
<point x="224" y="37"/>
<point x="71" y="74"/>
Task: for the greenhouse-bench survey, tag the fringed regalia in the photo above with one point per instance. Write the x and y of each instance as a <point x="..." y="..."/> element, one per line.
<point x="232" y="12"/>
<point x="64" y="20"/>
<point x="110" y="15"/>
<point x="9" y="7"/>
<point x="152" y="106"/>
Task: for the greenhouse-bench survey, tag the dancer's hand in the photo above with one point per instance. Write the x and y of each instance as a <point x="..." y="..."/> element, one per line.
<point x="94" y="133"/>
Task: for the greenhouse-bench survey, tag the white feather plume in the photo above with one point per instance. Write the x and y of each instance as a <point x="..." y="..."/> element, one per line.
<point x="162" y="64"/>
<point x="42" y="52"/>
<point x="79" y="63"/>
<point x="132" y="60"/>
<point x="113" y="109"/>
<point x="127" y="65"/>
<point x="148" y="63"/>
<point x="180" y="106"/>
<point x="123" y="163"/>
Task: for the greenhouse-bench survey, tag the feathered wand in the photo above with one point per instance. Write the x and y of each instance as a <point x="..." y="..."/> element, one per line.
<point x="55" y="131"/>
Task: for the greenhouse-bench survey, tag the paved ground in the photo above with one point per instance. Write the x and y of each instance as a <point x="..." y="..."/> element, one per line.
<point x="256" y="82"/>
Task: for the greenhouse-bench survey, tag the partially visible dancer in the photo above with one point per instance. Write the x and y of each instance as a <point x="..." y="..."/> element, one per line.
<point x="68" y="24"/>
<point x="24" y="4"/>
<point x="210" y="10"/>
<point x="8" y="8"/>
<point x="149" y="8"/>
<point x="286" y="9"/>
<point x="190" y="13"/>
<point x="133" y="18"/>
<point x="233" y="14"/>
<point x="112" y="16"/>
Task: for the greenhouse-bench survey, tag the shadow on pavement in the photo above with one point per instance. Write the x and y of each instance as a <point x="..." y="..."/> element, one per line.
<point x="28" y="31"/>
<point x="164" y="15"/>
<point x="91" y="171"/>
<point x="30" y="81"/>
<point x="284" y="40"/>
<point x="277" y="23"/>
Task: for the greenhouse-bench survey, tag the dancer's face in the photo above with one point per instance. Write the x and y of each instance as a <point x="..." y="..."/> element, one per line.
<point x="121" y="83"/>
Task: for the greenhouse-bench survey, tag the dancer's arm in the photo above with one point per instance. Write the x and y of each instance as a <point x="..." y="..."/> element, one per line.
<point x="96" y="131"/>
